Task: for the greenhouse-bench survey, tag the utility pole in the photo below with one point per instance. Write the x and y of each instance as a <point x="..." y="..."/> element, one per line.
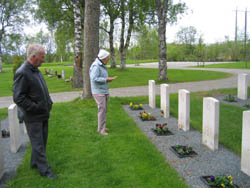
<point x="245" y="41"/>
<point x="245" y="37"/>
<point x="236" y="36"/>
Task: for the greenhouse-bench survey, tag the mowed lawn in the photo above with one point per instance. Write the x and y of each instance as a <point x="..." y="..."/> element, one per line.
<point x="125" y="158"/>
<point x="236" y="65"/>
<point x="83" y="158"/>
<point x="126" y="78"/>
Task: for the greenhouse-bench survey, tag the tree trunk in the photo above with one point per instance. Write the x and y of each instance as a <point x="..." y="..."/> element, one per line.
<point x="111" y="44"/>
<point x="78" y="78"/>
<point x="121" y="48"/>
<point x="1" y="68"/>
<point x="162" y="13"/>
<point x="91" y="40"/>
<point x="124" y="47"/>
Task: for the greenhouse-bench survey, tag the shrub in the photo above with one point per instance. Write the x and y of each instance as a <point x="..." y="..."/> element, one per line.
<point x="17" y="62"/>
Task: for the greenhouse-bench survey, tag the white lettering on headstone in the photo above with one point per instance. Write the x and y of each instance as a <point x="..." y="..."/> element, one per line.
<point x="245" y="148"/>
<point x="14" y="127"/>
<point x="210" y="123"/>
<point x="184" y="109"/>
<point x="165" y="105"/>
<point x="242" y="86"/>
<point x="151" y="93"/>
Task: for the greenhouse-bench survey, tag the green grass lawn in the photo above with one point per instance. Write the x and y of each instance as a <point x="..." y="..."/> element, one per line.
<point x="125" y="158"/>
<point x="83" y="158"/>
<point x="237" y="65"/>
<point x="126" y="78"/>
<point x="3" y="113"/>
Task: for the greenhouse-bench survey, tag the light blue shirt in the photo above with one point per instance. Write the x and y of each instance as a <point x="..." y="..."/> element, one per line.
<point x="98" y="78"/>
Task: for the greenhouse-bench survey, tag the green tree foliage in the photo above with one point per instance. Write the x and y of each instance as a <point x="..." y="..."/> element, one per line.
<point x="59" y="16"/>
<point x="46" y="40"/>
<point x="146" y="44"/>
<point x="13" y="15"/>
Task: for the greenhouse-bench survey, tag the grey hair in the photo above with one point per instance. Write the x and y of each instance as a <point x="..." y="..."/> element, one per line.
<point x="33" y="49"/>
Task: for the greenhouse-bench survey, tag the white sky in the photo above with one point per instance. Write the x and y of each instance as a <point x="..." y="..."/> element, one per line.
<point x="215" y="19"/>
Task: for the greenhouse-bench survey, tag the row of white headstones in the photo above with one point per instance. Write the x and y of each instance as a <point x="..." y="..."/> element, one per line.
<point x="210" y="119"/>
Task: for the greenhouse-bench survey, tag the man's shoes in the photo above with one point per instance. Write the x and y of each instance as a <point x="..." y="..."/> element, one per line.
<point x="33" y="166"/>
<point x="49" y="174"/>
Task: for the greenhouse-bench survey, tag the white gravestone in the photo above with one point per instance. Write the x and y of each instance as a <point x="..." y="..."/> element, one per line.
<point x="165" y="105"/>
<point x="151" y="93"/>
<point x="184" y="109"/>
<point x="245" y="148"/>
<point x="210" y="123"/>
<point x="1" y="157"/>
<point x="14" y="127"/>
<point x="63" y="74"/>
<point x="242" y="86"/>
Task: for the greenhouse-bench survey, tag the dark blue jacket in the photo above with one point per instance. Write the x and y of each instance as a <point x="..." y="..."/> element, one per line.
<point x="30" y="93"/>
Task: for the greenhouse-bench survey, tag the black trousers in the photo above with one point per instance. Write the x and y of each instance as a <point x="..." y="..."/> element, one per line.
<point x="38" y="134"/>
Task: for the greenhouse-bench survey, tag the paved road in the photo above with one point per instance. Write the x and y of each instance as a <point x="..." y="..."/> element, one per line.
<point x="143" y="90"/>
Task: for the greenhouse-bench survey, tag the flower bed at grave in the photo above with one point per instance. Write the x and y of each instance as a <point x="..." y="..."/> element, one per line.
<point x="161" y="129"/>
<point x="183" y="151"/>
<point x="5" y="133"/>
<point x="230" y="98"/>
<point x="219" y="181"/>
<point x="147" y="116"/>
<point x="133" y="106"/>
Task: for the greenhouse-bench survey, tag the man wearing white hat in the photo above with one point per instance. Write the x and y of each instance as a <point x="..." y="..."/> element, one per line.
<point x="99" y="87"/>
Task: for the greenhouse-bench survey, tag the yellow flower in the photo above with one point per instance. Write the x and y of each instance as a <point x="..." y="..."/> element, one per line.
<point x="231" y="182"/>
<point x="144" y="115"/>
<point x="141" y="105"/>
<point x="131" y="104"/>
<point x="230" y="177"/>
<point x="222" y="185"/>
<point x="136" y="106"/>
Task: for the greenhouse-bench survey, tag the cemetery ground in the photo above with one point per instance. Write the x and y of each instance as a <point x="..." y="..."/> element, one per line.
<point x="125" y="158"/>
<point x="126" y="78"/>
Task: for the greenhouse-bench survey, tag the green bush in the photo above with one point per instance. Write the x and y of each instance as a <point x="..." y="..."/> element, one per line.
<point x="17" y="62"/>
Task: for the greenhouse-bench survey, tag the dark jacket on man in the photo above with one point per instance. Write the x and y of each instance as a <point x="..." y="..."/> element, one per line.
<point x="30" y="93"/>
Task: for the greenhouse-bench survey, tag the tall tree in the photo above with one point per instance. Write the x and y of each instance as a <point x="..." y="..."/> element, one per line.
<point x="78" y="78"/>
<point x="162" y="8"/>
<point x="166" y="12"/>
<point x="12" y="18"/>
<point x="66" y="14"/>
<point x="111" y="9"/>
<point x="91" y="40"/>
<point x="188" y="36"/>
<point x="133" y="14"/>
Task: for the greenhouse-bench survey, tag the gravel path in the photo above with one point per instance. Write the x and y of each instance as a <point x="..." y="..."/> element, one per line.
<point x="11" y="160"/>
<point x="207" y="162"/>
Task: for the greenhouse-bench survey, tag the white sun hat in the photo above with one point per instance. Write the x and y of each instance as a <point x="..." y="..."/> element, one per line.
<point x="103" y="54"/>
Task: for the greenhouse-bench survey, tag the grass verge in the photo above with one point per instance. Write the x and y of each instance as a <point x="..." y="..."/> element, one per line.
<point x="3" y="113"/>
<point x="238" y="65"/>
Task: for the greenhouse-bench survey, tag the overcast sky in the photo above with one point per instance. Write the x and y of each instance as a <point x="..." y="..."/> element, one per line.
<point x="215" y="19"/>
